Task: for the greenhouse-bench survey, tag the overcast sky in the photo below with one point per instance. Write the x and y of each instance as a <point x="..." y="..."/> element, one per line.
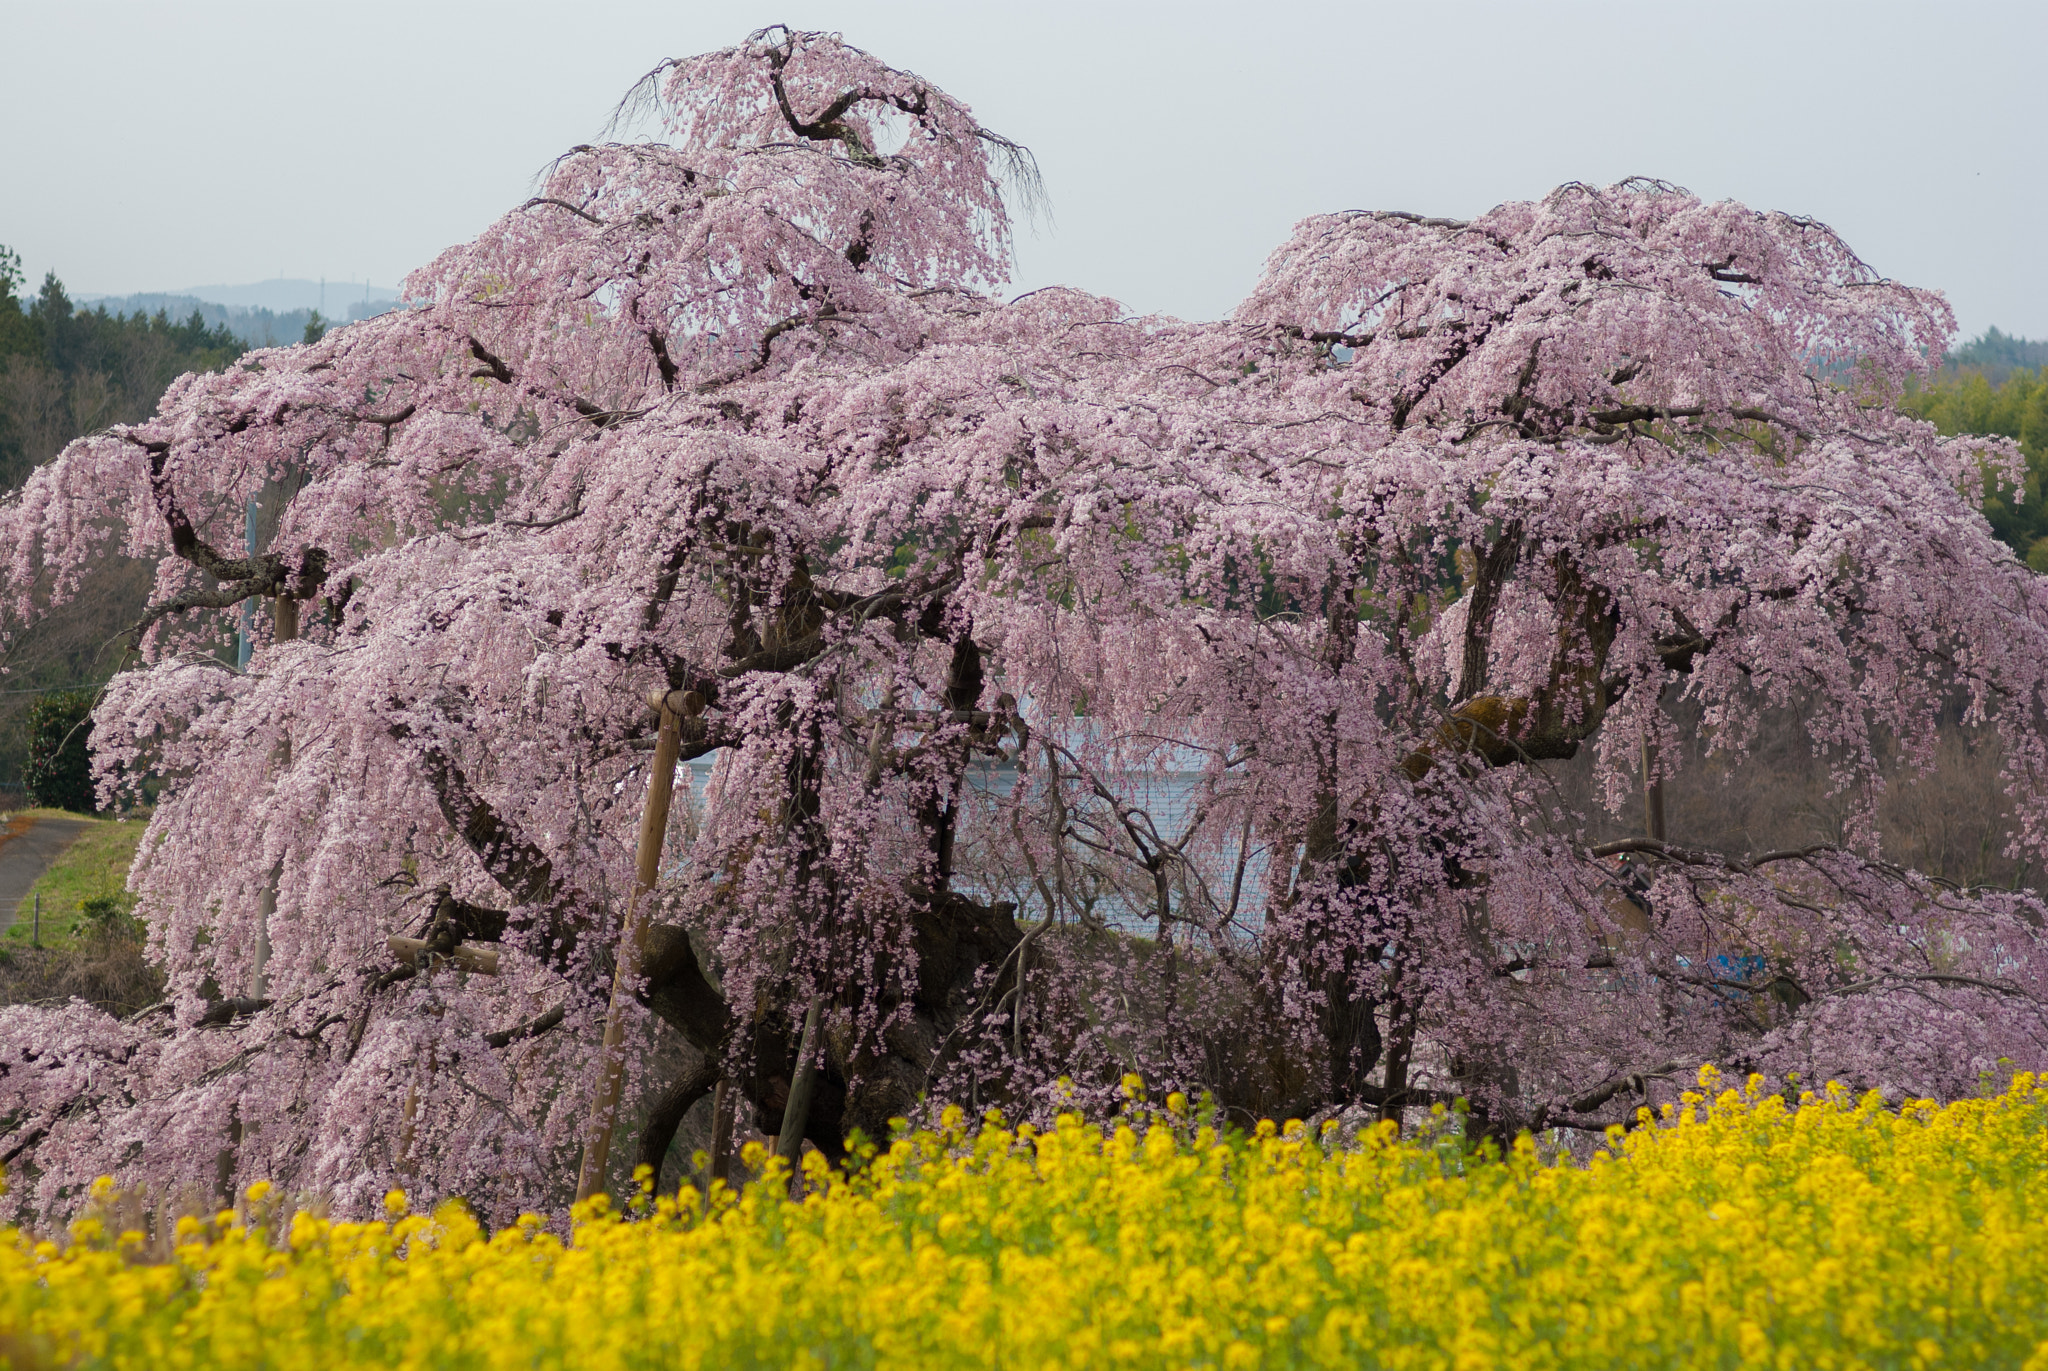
<point x="158" y="146"/>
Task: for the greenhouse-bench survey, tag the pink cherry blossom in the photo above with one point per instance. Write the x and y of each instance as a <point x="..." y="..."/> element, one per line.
<point x="1087" y="693"/>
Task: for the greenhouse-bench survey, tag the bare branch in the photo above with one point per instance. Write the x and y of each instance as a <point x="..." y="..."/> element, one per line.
<point x="532" y="1028"/>
<point x="564" y="204"/>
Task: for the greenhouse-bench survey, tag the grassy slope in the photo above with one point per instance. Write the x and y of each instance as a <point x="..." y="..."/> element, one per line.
<point x="96" y="864"/>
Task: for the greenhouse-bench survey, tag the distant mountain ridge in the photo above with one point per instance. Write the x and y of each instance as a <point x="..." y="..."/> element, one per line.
<point x="263" y="314"/>
<point x="331" y="298"/>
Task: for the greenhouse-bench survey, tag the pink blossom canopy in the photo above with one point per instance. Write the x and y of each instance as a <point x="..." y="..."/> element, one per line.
<point x="1069" y="693"/>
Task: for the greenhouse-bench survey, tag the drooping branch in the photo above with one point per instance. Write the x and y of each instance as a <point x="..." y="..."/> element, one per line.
<point x="493" y="367"/>
<point x="1608" y="419"/>
<point x="1692" y="856"/>
<point x="224" y="1012"/>
<point x="237" y="578"/>
<point x="827" y="125"/>
<point x="551" y="913"/>
<point x="583" y="214"/>
<point x="546" y="910"/>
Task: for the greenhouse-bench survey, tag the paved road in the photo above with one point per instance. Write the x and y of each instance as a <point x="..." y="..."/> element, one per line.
<point x="26" y="855"/>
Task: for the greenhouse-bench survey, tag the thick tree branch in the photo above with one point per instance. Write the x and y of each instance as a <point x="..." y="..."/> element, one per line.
<point x="239" y="577"/>
<point x="546" y="910"/>
<point x="532" y="1028"/>
<point x="666" y="1117"/>
<point x="1555" y="1113"/>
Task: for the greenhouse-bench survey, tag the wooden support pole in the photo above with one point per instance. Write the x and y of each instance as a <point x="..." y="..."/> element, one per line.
<point x="803" y="1083"/>
<point x="668" y="746"/>
<point x="1653" y="792"/>
<point x="284" y="622"/>
<point x="406" y="1134"/>
<point x="722" y="1101"/>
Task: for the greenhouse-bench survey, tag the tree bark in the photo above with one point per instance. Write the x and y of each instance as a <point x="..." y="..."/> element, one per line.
<point x="284" y="619"/>
<point x="667" y="1116"/>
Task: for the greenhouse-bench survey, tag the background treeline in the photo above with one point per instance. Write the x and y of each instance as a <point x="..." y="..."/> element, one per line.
<point x="254" y="325"/>
<point x="1996" y="355"/>
<point x="1998" y="384"/>
<point x="66" y="371"/>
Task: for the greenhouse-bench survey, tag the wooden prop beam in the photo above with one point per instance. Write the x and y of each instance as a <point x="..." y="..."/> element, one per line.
<point x="668" y="746"/>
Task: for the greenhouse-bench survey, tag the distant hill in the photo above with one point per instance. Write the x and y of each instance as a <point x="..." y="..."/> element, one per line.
<point x="333" y="299"/>
<point x="266" y="314"/>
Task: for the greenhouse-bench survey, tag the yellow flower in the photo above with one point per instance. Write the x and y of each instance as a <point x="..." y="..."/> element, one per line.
<point x="1743" y="1229"/>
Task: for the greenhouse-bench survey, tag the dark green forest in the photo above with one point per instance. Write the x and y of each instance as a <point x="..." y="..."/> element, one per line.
<point x="66" y="371"/>
<point x="1994" y="389"/>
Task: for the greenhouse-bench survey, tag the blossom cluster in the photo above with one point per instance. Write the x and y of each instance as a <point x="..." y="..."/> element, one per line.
<point x="1736" y="1227"/>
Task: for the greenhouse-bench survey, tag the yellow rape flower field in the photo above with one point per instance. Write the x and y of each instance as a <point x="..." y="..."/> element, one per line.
<point x="1738" y="1230"/>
